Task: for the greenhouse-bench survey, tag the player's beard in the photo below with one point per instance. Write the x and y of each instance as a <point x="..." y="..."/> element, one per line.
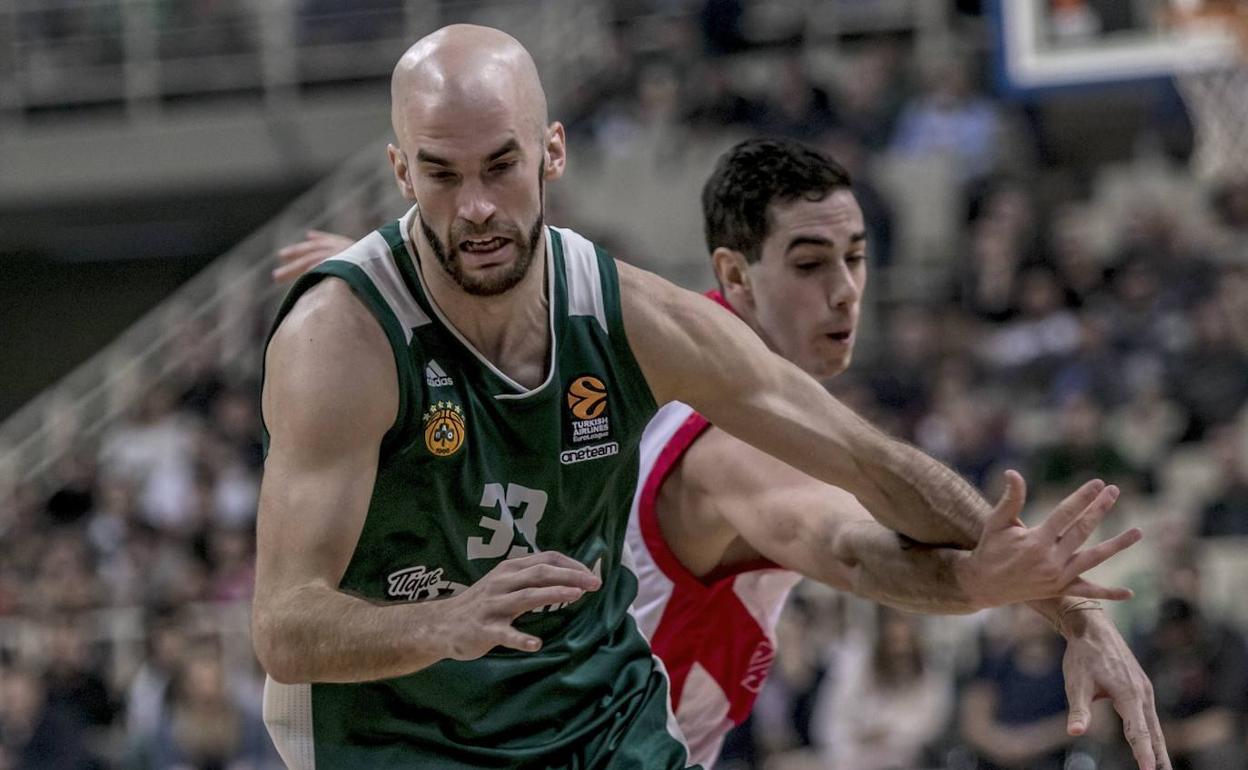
<point x="526" y="247"/>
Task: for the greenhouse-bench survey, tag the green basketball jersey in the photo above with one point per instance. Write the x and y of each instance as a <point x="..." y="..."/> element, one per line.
<point x="477" y="469"/>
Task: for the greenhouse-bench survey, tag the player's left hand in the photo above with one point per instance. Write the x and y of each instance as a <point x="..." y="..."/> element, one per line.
<point x="1098" y="664"/>
<point x="298" y="258"/>
<point x="1015" y="563"/>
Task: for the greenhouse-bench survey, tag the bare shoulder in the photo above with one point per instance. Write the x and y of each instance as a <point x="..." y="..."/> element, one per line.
<point x="328" y="367"/>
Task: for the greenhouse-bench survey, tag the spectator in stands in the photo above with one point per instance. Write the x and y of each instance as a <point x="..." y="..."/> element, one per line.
<point x="722" y="30"/>
<point x="1045" y="333"/>
<point x="199" y="378"/>
<point x="870" y="95"/>
<point x="1144" y="429"/>
<point x="967" y="431"/>
<point x="1208" y="375"/>
<point x="1082" y="449"/>
<point x="902" y="385"/>
<point x="165" y="644"/>
<point x="1232" y="296"/>
<point x="154" y="447"/>
<point x="1095" y="367"/>
<point x="799" y="107"/>
<point x="1071" y="252"/>
<point x="891" y="674"/>
<point x="232" y="557"/>
<point x="66" y="580"/>
<point x="1230" y="206"/>
<point x="1227" y="513"/>
<point x="207" y="723"/>
<point x="1013" y="712"/>
<point x="949" y="118"/>
<point x="74" y="497"/>
<point x="988" y="286"/>
<point x="717" y="104"/>
<point x="1200" y="681"/>
<point x="36" y="734"/>
<point x="74" y="676"/>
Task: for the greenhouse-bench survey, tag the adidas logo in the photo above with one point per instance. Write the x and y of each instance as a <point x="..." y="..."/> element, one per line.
<point x="435" y="377"/>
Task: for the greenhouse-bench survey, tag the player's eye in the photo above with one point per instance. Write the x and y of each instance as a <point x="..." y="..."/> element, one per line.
<point x="502" y="167"/>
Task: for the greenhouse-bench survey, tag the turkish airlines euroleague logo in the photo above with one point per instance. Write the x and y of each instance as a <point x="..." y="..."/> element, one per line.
<point x="587" y="397"/>
<point x="588" y="421"/>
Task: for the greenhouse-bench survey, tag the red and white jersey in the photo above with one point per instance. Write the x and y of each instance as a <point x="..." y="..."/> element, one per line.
<point x="716" y="639"/>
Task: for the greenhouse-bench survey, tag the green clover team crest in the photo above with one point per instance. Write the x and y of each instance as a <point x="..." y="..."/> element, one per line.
<point x="444" y="428"/>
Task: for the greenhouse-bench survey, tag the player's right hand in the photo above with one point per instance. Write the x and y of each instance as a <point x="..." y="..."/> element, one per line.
<point x="481" y="617"/>
<point x="1014" y="563"/>
<point x="298" y="258"/>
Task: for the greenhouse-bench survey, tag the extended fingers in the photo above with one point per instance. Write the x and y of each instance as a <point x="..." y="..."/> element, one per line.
<point x="1101" y="552"/>
<point x="1076" y="532"/>
<point x="1160" y="753"/>
<point x="1006" y="514"/>
<point x="1072" y="508"/>
<point x="293" y="268"/>
<point x="516" y="640"/>
<point x="1079" y="703"/>
<point x="1086" y="589"/>
<point x="1135" y="727"/>
<point x="528" y="599"/>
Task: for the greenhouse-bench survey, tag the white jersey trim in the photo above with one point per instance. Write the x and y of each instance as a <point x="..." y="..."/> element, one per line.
<point x="580" y="266"/>
<point x="288" y="717"/>
<point x="372" y="255"/>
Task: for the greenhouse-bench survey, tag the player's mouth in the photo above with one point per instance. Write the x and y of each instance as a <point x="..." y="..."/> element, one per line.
<point x="483" y="245"/>
<point x="841" y="336"/>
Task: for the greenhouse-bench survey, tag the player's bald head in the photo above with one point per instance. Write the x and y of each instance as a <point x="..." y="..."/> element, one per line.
<point x="464" y="69"/>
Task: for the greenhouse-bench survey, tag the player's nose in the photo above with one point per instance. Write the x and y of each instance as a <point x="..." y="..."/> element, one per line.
<point x="475" y="204"/>
<point x="842" y="289"/>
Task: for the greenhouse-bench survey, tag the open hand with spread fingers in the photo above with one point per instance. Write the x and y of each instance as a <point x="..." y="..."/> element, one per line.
<point x="1015" y="563"/>
<point x="298" y="258"/>
<point x="483" y="614"/>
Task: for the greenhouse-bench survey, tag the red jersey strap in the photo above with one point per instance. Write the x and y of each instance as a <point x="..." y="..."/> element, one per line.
<point x="716" y="295"/>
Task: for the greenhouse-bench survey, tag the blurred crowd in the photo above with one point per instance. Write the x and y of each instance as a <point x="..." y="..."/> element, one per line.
<point x="1057" y="343"/>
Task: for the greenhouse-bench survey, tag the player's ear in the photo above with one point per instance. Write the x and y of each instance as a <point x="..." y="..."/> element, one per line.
<point x="402" y="174"/>
<point x="732" y="270"/>
<point x="555" y="152"/>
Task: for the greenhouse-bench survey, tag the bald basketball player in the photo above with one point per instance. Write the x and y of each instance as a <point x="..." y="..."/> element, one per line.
<point x="455" y="317"/>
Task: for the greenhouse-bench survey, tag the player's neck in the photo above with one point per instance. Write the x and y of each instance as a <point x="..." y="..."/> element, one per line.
<point x="511" y="329"/>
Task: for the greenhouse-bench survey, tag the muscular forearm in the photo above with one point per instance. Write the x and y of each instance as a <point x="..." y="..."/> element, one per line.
<point x="318" y="634"/>
<point x="915" y="495"/>
<point x="895" y="571"/>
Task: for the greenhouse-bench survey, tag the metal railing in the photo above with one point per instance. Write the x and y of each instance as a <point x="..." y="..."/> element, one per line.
<point x="229" y="300"/>
<point x="141" y="54"/>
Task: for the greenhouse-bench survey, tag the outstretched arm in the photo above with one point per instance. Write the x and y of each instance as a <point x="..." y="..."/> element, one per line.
<point x="823" y="532"/>
<point x="693" y="351"/>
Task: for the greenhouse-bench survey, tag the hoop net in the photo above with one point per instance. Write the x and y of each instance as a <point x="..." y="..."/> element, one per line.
<point x="1216" y="94"/>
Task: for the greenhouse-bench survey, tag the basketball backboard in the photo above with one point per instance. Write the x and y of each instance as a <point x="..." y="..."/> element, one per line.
<point x="1056" y="44"/>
